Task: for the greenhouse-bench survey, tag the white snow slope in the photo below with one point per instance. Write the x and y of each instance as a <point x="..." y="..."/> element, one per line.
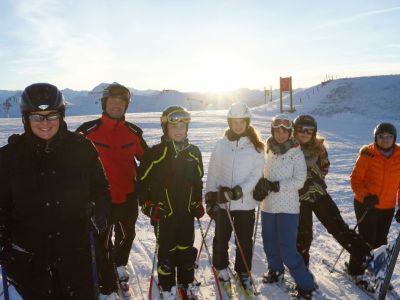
<point x="347" y="110"/>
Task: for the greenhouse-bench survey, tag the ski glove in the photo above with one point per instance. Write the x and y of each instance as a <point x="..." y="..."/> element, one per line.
<point x="274" y="186"/>
<point x="234" y="193"/>
<point x="258" y="195"/>
<point x="221" y="194"/>
<point x="212" y="207"/>
<point x="262" y="189"/>
<point x="397" y="216"/>
<point x="198" y="211"/>
<point x="152" y="211"/>
<point x="371" y="200"/>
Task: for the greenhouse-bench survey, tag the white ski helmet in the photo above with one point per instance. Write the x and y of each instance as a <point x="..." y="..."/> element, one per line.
<point x="239" y="110"/>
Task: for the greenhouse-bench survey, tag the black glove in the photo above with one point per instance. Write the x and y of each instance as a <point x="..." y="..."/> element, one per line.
<point x="258" y="195"/>
<point x="371" y="200"/>
<point x="397" y="216"/>
<point x="198" y="211"/>
<point x="234" y="193"/>
<point x="262" y="188"/>
<point x="212" y="207"/>
<point x="221" y="194"/>
<point x="274" y="186"/>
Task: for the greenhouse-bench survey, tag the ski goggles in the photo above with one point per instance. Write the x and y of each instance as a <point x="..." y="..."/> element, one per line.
<point x="285" y="123"/>
<point x="385" y="136"/>
<point x="40" y="118"/>
<point x="176" y="117"/>
<point x="306" y="129"/>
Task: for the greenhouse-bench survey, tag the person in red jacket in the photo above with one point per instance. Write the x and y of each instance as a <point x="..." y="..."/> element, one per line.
<point x="375" y="181"/>
<point x="120" y="145"/>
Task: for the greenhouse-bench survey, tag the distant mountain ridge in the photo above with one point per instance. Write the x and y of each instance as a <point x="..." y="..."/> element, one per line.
<point x="88" y="102"/>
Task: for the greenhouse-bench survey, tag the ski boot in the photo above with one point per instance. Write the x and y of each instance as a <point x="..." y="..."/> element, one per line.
<point x="225" y="281"/>
<point x="191" y="291"/>
<point x="273" y="277"/>
<point x="169" y="295"/>
<point x="123" y="277"/>
<point x="365" y="282"/>
<point x="305" y="294"/>
<point x="112" y="296"/>
<point x="245" y="281"/>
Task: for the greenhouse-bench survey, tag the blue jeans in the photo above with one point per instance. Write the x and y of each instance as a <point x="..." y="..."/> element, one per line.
<point x="279" y="232"/>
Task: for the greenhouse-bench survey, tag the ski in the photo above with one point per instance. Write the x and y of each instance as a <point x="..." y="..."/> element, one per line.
<point x="384" y="280"/>
<point x="373" y="295"/>
<point x="245" y="293"/>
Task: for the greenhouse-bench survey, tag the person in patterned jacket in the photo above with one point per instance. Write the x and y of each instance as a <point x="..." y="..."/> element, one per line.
<point x="170" y="193"/>
<point x="285" y="172"/>
<point x="315" y="198"/>
<point x="120" y="145"/>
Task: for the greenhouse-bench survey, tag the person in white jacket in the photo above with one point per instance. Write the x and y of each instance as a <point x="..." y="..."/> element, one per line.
<point x="235" y="166"/>
<point x="285" y="171"/>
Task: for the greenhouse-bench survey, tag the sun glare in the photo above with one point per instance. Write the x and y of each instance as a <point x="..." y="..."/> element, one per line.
<point x="217" y="73"/>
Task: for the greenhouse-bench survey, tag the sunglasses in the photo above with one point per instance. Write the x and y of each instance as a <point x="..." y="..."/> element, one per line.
<point x="176" y="117"/>
<point x="285" y="123"/>
<point x="387" y="136"/>
<point x="40" y="118"/>
<point x="306" y="129"/>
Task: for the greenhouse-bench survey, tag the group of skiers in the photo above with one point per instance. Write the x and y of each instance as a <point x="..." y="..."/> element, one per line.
<point x="58" y="189"/>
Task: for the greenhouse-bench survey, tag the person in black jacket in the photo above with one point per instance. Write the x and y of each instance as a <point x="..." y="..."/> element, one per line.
<point x="48" y="178"/>
<point x="170" y="193"/>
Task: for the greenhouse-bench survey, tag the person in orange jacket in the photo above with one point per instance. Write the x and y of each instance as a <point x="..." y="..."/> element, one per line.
<point x="375" y="181"/>
<point x="120" y="146"/>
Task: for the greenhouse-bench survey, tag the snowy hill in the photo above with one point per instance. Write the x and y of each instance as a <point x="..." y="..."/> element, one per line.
<point x="88" y="102"/>
<point x="347" y="110"/>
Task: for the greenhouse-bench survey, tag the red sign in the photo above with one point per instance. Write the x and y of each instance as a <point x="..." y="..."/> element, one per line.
<point x="286" y="84"/>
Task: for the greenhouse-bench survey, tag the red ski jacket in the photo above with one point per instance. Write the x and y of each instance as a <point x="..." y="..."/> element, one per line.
<point x="119" y="144"/>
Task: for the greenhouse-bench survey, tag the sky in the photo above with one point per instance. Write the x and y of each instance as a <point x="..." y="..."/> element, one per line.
<point x="208" y="45"/>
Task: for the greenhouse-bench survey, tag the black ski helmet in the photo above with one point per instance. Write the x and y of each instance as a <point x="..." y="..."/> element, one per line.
<point x="41" y="97"/>
<point x="305" y="120"/>
<point x="117" y="90"/>
<point x="166" y="112"/>
<point x="385" y="128"/>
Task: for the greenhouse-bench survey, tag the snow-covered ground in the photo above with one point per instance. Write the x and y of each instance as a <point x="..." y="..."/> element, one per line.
<point x="347" y="110"/>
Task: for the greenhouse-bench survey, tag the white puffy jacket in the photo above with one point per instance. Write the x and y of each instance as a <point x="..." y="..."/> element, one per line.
<point x="235" y="163"/>
<point x="291" y="171"/>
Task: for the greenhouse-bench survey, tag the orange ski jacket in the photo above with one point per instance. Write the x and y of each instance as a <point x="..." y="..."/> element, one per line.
<point x="375" y="174"/>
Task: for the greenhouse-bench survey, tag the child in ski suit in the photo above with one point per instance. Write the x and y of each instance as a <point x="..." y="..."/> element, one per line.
<point x="285" y="172"/>
<point x="170" y="192"/>
<point x="315" y="198"/>
<point x="235" y="166"/>
<point x="375" y="181"/>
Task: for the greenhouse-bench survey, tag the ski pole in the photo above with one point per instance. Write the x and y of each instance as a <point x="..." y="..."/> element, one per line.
<point x="196" y="264"/>
<point x="203" y="236"/>
<point x="89" y="214"/>
<point x="5" y="285"/>
<point x="154" y="261"/>
<point x="355" y="227"/>
<point x="255" y="229"/>
<point x="241" y="250"/>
